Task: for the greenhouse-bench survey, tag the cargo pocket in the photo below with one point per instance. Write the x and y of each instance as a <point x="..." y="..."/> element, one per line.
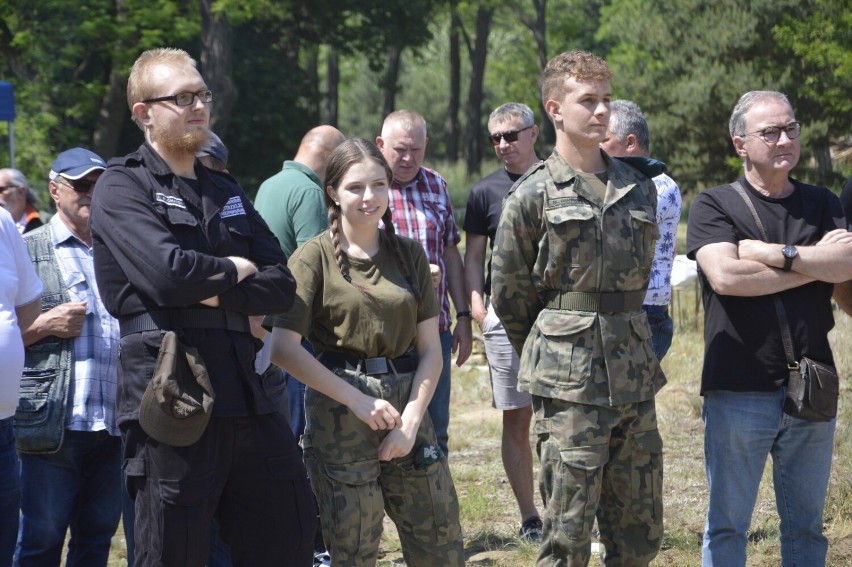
<point x="566" y="227"/>
<point x="647" y="472"/>
<point x="571" y="478"/>
<point x="566" y="351"/>
<point x="186" y="505"/>
<point x="355" y="501"/>
<point x="422" y="501"/>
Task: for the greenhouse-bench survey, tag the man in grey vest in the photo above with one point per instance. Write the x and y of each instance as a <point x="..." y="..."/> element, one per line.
<point x="65" y="426"/>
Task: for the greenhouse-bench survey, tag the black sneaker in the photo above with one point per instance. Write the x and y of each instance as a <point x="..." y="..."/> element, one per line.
<point x="531" y="530"/>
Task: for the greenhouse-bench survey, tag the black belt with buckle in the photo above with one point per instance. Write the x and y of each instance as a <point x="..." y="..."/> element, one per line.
<point x="190" y="318"/>
<point x="370" y="366"/>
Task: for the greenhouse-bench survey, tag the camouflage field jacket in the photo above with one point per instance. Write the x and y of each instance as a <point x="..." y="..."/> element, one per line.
<point x="569" y="275"/>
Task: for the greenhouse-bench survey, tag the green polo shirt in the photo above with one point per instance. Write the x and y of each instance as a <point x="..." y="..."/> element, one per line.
<point x="293" y="205"/>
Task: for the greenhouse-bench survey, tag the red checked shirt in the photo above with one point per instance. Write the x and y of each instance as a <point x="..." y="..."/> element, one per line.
<point x="422" y="211"/>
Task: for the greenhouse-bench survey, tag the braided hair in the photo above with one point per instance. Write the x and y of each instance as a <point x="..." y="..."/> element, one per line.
<point x="347" y="154"/>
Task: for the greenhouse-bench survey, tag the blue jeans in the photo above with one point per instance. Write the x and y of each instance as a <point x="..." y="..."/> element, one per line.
<point x="439" y="407"/>
<point x="78" y="486"/>
<point x="741" y="429"/>
<point x="662" y="328"/>
<point x="10" y="491"/>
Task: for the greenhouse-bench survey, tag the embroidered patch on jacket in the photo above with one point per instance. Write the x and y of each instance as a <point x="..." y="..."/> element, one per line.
<point x="233" y="208"/>
<point x="170" y="200"/>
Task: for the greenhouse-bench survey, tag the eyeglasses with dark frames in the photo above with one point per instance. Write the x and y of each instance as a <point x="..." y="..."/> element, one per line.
<point x="79" y="186"/>
<point x="511" y="136"/>
<point x="185" y="99"/>
<point x="772" y="134"/>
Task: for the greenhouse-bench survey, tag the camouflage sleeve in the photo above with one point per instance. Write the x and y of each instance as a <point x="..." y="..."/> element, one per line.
<point x="513" y="291"/>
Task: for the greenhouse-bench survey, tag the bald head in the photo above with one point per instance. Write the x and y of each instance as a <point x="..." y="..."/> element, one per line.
<point x="316" y="147"/>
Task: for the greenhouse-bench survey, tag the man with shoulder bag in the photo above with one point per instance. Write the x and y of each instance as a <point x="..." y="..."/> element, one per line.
<point x="769" y="250"/>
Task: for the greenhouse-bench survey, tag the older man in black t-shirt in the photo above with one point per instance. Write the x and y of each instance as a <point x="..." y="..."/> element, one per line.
<point x="808" y="250"/>
<point x="512" y="132"/>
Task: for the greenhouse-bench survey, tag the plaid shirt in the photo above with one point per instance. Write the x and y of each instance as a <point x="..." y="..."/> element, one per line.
<point x="92" y="387"/>
<point x="422" y="211"/>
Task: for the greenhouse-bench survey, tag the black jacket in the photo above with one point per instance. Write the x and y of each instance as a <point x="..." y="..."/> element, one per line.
<point x="159" y="244"/>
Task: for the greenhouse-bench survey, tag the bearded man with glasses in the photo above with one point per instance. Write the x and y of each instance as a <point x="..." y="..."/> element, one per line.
<point x="179" y="247"/>
<point x="806" y="250"/>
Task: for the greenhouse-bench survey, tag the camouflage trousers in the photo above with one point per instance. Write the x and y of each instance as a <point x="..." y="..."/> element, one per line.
<point x="354" y="489"/>
<point x="605" y="463"/>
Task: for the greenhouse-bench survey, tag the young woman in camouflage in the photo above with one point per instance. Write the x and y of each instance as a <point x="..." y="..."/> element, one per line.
<point x="365" y="301"/>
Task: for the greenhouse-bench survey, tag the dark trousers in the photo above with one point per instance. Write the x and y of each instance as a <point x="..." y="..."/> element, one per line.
<point x="244" y="471"/>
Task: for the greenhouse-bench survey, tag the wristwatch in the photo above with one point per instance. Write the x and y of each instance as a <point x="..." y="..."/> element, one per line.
<point x="790" y="254"/>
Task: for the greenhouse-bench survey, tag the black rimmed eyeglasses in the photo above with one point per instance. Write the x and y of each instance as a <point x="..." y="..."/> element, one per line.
<point x="185" y="99"/>
<point x="772" y="134"/>
<point x="511" y="136"/>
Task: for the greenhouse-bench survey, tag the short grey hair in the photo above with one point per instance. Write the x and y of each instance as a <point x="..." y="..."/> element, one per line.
<point x="19" y="179"/>
<point x="626" y="118"/>
<point x="737" y="125"/>
<point x="513" y="110"/>
<point x="405" y="120"/>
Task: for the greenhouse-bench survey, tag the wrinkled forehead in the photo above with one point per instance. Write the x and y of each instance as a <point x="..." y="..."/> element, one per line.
<point x="411" y="136"/>
<point x="507" y="124"/>
<point x="769" y="111"/>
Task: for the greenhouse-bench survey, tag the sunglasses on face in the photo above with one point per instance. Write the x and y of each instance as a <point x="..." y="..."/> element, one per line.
<point x="79" y="186"/>
<point x="511" y="136"/>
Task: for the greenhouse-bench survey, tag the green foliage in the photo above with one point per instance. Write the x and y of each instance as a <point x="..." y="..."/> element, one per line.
<point x="686" y="62"/>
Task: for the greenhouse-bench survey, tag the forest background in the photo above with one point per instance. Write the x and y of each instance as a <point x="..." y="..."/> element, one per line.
<point x="280" y="67"/>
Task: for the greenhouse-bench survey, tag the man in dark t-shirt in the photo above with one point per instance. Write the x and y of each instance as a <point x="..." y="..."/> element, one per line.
<point x="512" y="132"/>
<point x="807" y="250"/>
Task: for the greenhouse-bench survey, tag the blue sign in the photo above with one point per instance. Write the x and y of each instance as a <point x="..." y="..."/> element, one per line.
<point x="7" y="101"/>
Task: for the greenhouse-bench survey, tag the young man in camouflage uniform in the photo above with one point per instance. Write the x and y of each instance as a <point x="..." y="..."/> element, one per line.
<point x="570" y="269"/>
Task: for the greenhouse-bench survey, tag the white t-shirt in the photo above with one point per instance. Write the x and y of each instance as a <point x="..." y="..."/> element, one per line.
<point x="19" y="285"/>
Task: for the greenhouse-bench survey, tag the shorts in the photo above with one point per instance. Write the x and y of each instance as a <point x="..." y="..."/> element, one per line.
<point x="503" y="365"/>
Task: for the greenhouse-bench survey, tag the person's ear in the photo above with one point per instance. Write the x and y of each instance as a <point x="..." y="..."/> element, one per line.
<point x="632" y="145"/>
<point x="141" y="113"/>
<point x="553" y="109"/>
<point x="332" y="194"/>
<point x="739" y="146"/>
<point x="380" y="143"/>
<point x="53" y="189"/>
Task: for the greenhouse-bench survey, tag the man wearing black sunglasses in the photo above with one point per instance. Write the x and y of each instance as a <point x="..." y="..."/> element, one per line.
<point x="65" y="424"/>
<point x="513" y="132"/>
<point x="179" y="247"/>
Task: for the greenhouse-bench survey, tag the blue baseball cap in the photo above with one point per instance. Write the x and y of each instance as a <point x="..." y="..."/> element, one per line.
<point x="76" y="163"/>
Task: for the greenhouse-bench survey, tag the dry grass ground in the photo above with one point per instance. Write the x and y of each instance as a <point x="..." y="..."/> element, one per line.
<point x="489" y="514"/>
